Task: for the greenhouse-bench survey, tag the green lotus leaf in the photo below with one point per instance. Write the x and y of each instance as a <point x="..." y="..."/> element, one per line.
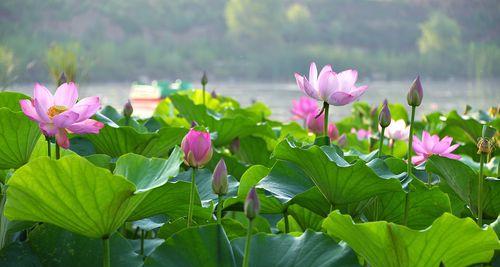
<point x="463" y="180"/>
<point x="461" y="128"/>
<point x="300" y="219"/>
<point x="11" y="100"/>
<point x="339" y="181"/>
<point x="19" y="254"/>
<point x="59" y="248"/>
<point x="227" y="128"/>
<point x="198" y="246"/>
<point x="425" y="205"/>
<point x="149" y="173"/>
<point x="309" y="249"/>
<point x="449" y="241"/>
<point x="122" y="140"/>
<point x="18" y="137"/>
<point x="75" y="195"/>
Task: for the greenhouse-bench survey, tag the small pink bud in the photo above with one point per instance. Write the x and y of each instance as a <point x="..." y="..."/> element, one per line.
<point x="342" y="142"/>
<point x="416" y="93"/>
<point x="333" y="132"/>
<point x="197" y="148"/>
<point x="384" y="118"/>
<point x="128" y="109"/>
<point x="252" y="204"/>
<point x="219" y="178"/>
<point x="204" y="79"/>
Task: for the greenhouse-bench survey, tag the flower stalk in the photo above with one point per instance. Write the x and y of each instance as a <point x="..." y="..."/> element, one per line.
<point x="191" y="198"/>
<point x="106" y="256"/>
<point x="251" y="208"/>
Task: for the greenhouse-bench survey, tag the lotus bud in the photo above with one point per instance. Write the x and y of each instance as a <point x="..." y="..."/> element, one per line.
<point x="128" y="109"/>
<point x="235" y="145"/>
<point x="333" y="132"/>
<point x="194" y="124"/>
<point x="252" y="204"/>
<point x="204" y="79"/>
<point x="342" y="142"/>
<point x="197" y="148"/>
<point x="416" y="93"/>
<point x="384" y="118"/>
<point x="62" y="79"/>
<point x="219" y="179"/>
<point x="213" y="94"/>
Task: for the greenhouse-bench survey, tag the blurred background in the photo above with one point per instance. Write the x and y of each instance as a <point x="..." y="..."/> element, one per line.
<point x="251" y="48"/>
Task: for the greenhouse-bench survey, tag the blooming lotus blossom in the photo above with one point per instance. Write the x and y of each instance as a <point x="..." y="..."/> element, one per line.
<point x="362" y="133"/>
<point x="431" y="145"/>
<point x="60" y="114"/>
<point x="302" y="108"/>
<point x="397" y="130"/>
<point x="336" y="89"/>
<point x="197" y="148"/>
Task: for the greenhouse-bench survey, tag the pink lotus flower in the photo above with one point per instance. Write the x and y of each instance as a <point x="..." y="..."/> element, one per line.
<point x="333" y="132"/>
<point x="431" y="145"/>
<point x="362" y="133"/>
<point x="397" y="130"/>
<point x="316" y="125"/>
<point x="335" y="89"/>
<point x="60" y="113"/>
<point x="197" y="148"/>
<point x="303" y="107"/>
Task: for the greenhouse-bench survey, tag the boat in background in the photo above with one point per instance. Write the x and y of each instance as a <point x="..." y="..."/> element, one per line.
<point x="145" y="97"/>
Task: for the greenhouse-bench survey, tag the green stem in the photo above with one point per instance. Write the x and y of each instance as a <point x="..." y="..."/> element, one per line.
<point x="58" y="151"/>
<point x="106" y="260"/>
<point x="3" y="220"/>
<point x="326" y="107"/>
<point x="219" y="210"/>
<point x="429" y="179"/>
<point x="191" y="199"/>
<point x="142" y="241"/>
<point x="407" y="208"/>
<point x="203" y="95"/>
<point x="381" y="142"/>
<point x="410" y="140"/>
<point x="48" y="146"/>
<point x="479" y="191"/>
<point x="392" y="146"/>
<point x="246" y="258"/>
<point x="287" y="224"/>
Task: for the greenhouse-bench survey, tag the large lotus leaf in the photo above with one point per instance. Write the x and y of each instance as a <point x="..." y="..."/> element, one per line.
<point x="464" y="183"/>
<point x="18" y="137"/>
<point x="198" y="246"/>
<point x="149" y="173"/>
<point x="461" y="128"/>
<point x="227" y="128"/>
<point x="269" y="204"/>
<point x="11" y="100"/>
<point x="71" y="193"/>
<point x="57" y="247"/>
<point x="235" y="167"/>
<point x="450" y="241"/>
<point x="253" y="150"/>
<point x="160" y="145"/>
<point x="340" y="182"/>
<point x="301" y="219"/>
<point x="425" y="205"/>
<point x="309" y="249"/>
<point x="171" y="199"/>
<point x="19" y="255"/>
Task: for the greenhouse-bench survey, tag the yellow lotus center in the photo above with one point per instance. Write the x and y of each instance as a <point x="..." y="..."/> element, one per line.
<point x="56" y="110"/>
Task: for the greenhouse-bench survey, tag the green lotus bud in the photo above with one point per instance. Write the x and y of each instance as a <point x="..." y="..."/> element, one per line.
<point x="252" y="204"/>
<point x="384" y="118"/>
<point x="204" y="79"/>
<point x="416" y="93"/>
<point x="219" y="179"/>
<point x="62" y="79"/>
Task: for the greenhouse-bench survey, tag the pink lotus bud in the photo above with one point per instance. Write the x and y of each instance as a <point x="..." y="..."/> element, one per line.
<point x="384" y="118"/>
<point x="416" y="93"/>
<point x="315" y="125"/>
<point x="342" y="142"/>
<point x="219" y="178"/>
<point x="333" y="132"/>
<point x="197" y="148"/>
<point x="128" y="109"/>
<point x="252" y="204"/>
<point x="214" y="94"/>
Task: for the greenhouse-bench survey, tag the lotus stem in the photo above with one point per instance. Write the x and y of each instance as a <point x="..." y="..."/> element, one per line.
<point x="58" y="151"/>
<point x="204" y="95"/>
<point x="143" y="235"/>
<point x="48" y="146"/>
<point x="410" y="139"/>
<point x="246" y="258"/>
<point x="326" y="107"/>
<point x="407" y="208"/>
<point x="381" y="142"/>
<point x="429" y="179"/>
<point x="219" y="210"/>
<point x="191" y="199"/>
<point x="391" y="144"/>
<point x="479" y="190"/>
<point x="287" y="224"/>
<point x="3" y="220"/>
<point x="106" y="260"/>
